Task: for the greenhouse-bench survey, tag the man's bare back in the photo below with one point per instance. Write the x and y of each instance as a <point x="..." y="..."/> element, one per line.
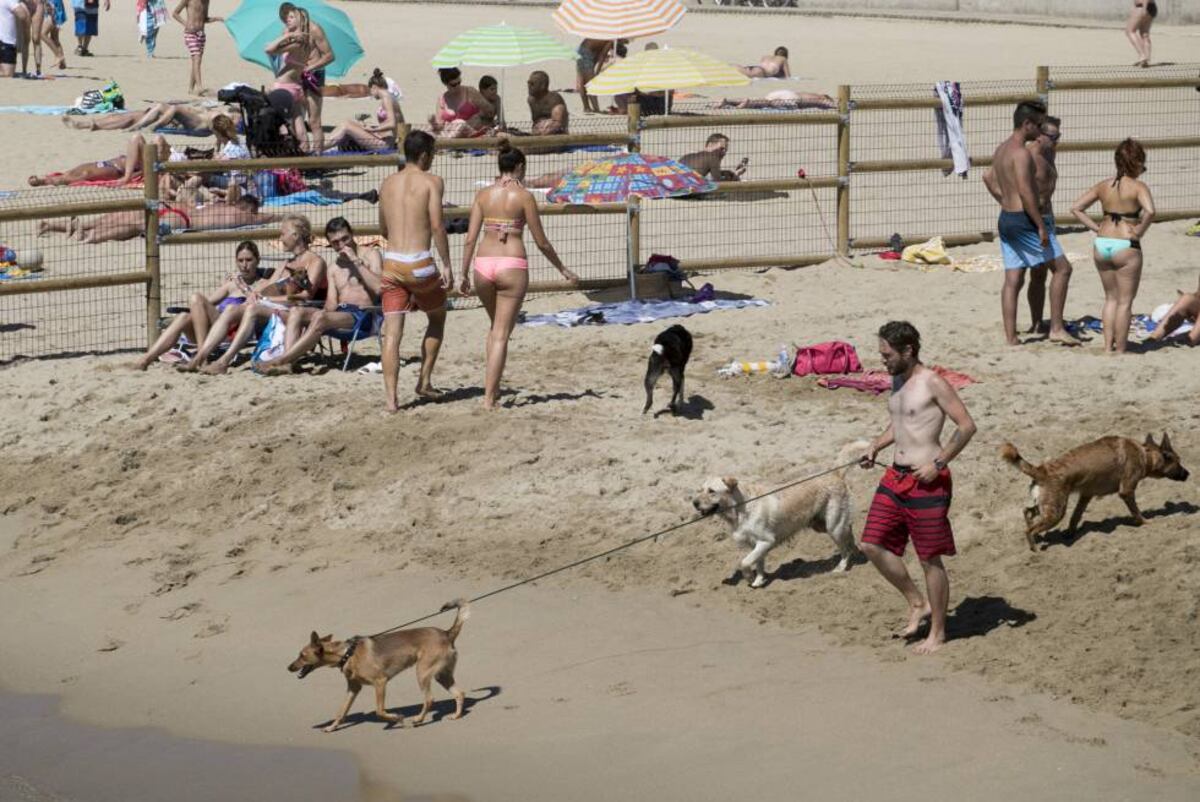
<point x="917" y="418"/>
<point x="404" y="201"/>
<point x="1012" y="165"/>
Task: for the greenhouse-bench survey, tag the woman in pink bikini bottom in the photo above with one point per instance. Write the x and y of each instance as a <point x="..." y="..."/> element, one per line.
<point x="502" y="211"/>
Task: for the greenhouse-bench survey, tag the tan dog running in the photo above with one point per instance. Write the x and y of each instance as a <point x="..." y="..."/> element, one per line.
<point x="1100" y="468"/>
<point x="822" y="504"/>
<point x="374" y="661"/>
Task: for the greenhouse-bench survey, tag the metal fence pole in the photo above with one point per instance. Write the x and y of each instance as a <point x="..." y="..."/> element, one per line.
<point x="843" y="168"/>
<point x="154" y="284"/>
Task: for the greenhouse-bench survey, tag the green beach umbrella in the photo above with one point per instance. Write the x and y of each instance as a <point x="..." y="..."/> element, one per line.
<point x="256" y="23"/>
<point x="501" y="45"/>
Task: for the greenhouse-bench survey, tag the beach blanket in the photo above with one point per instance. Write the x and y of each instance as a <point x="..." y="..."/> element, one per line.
<point x="880" y="381"/>
<point x="516" y="141"/>
<point x="171" y="130"/>
<point x="1138" y="324"/>
<point x="11" y="272"/>
<point x="310" y="197"/>
<point x="627" y="312"/>
<point x="48" y="111"/>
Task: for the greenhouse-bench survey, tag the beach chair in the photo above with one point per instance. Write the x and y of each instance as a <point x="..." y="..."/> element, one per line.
<point x="346" y="338"/>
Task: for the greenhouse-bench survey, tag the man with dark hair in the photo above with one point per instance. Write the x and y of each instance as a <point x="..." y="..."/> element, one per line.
<point x="547" y="109"/>
<point x="1024" y="240"/>
<point x="353" y="286"/>
<point x="913" y="498"/>
<point x="410" y="217"/>
<point x="1045" y="179"/>
<point x="707" y="162"/>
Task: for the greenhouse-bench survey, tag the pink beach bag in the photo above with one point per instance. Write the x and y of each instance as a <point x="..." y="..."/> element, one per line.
<point x="831" y="357"/>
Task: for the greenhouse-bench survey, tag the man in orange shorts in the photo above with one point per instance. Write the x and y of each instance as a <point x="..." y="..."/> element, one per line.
<point x="410" y="213"/>
<point x="913" y="499"/>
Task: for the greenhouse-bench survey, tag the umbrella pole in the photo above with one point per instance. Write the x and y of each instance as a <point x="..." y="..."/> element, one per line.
<point x="632" y="224"/>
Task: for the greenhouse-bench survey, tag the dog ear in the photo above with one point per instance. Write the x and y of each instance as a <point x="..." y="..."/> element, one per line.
<point x="1149" y="440"/>
<point x="328" y="637"/>
<point x="314" y="640"/>
<point x="730" y="482"/>
<point x="1165" y="445"/>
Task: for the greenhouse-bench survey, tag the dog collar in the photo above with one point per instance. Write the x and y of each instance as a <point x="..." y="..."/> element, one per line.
<point x="351" y="645"/>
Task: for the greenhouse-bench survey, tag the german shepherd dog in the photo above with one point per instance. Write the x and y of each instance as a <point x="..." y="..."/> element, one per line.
<point x="373" y="661"/>
<point x="671" y="351"/>
<point x="1100" y="468"/>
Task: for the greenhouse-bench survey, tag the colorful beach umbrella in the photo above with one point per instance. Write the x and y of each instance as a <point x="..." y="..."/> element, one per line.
<point x="616" y="178"/>
<point x="256" y="23"/>
<point x="618" y="19"/>
<point x="501" y="46"/>
<point x="666" y="68"/>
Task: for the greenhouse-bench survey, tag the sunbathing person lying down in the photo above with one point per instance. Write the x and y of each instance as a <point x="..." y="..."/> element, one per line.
<point x="1186" y="309"/>
<point x="172" y="216"/>
<point x="125" y="167"/>
<point x="779" y="99"/>
<point x="157" y="116"/>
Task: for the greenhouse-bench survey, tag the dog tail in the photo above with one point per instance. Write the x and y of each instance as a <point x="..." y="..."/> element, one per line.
<point x="464" y="612"/>
<point x="1009" y="453"/>
<point x="850" y="452"/>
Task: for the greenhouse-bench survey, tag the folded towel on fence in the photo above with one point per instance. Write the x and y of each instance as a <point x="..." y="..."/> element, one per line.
<point x="48" y="111"/>
<point x="627" y="312"/>
<point x="880" y="381"/>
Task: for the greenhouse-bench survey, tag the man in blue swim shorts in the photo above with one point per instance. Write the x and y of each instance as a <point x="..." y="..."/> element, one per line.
<point x="1024" y="240"/>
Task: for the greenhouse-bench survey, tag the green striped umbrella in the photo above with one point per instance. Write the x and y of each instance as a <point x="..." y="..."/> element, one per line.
<point x="501" y="46"/>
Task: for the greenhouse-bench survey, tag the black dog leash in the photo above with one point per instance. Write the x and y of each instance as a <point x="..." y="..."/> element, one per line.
<point x="608" y="552"/>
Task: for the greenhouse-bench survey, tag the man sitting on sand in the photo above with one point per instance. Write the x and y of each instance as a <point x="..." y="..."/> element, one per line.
<point x="1185" y="310"/>
<point x="547" y="109"/>
<point x="707" y="162"/>
<point x="353" y="287"/>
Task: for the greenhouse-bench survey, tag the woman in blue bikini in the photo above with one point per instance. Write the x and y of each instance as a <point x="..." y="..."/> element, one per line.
<point x="1128" y="212"/>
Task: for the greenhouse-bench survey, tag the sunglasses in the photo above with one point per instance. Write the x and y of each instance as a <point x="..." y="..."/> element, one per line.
<point x="1053" y="137"/>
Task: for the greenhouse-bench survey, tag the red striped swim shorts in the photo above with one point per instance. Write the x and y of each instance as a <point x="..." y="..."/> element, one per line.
<point x="905" y="509"/>
<point x="194" y="41"/>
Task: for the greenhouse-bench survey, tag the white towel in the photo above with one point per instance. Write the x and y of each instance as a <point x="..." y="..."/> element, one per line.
<point x="952" y="142"/>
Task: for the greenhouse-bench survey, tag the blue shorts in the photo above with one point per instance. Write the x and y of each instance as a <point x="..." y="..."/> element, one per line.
<point x="87" y="23"/>
<point x="1019" y="242"/>
<point x="364" y="320"/>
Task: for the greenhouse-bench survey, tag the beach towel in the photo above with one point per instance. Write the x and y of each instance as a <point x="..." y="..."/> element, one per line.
<point x="952" y="142"/>
<point x="170" y="130"/>
<point x="930" y="252"/>
<point x="270" y="343"/>
<point x="1160" y="312"/>
<point x="1194" y="230"/>
<point x="627" y="312"/>
<point x="516" y="141"/>
<point x="310" y="197"/>
<point x="46" y="111"/>
<point x="880" y="381"/>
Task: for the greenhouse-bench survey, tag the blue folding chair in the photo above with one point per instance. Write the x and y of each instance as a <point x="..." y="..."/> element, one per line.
<point x="370" y="327"/>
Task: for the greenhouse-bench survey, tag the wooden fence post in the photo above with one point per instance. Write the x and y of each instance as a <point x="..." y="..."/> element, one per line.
<point x="634" y="205"/>
<point x="635" y="127"/>
<point x="843" y="171"/>
<point x="1043" y="82"/>
<point x="154" y="283"/>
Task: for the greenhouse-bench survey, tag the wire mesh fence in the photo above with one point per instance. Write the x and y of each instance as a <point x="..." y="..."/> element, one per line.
<point x="784" y="219"/>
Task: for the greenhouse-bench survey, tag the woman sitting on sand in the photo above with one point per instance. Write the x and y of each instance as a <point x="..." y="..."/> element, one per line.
<point x="501" y="267"/>
<point x="1185" y="310"/>
<point x="1128" y="212"/>
<point x="460" y="109"/>
<point x="773" y="66"/>
<point x="219" y="310"/>
<point x="380" y="135"/>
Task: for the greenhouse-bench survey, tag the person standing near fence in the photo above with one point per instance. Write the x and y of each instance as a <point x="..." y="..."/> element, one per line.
<point x="1045" y="179"/>
<point x="1137" y="29"/>
<point x="502" y="211"/>
<point x="1128" y="212"/>
<point x="410" y="218"/>
<point x="1024" y="241"/>
<point x="913" y="499"/>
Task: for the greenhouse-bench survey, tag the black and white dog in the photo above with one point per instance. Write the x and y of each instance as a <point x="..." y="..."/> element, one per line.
<point x="671" y="351"/>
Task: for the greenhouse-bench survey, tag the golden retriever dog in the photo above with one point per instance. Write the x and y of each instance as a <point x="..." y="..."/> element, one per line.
<point x="375" y="660"/>
<point x="822" y="504"/>
<point x="1100" y="468"/>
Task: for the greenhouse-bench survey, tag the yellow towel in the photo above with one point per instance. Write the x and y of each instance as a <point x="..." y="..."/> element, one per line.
<point x="930" y="252"/>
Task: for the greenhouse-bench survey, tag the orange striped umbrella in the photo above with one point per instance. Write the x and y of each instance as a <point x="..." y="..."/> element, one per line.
<point x="618" y="19"/>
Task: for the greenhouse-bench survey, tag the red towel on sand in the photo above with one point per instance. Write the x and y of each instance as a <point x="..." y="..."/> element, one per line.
<point x="880" y="381"/>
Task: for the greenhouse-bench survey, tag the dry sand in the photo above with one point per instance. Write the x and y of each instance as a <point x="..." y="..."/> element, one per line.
<point x="167" y="542"/>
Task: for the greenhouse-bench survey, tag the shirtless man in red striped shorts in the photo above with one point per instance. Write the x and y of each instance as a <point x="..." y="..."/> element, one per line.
<point x="913" y="499"/>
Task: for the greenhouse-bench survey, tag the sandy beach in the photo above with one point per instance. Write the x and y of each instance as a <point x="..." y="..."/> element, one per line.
<point x="168" y="542"/>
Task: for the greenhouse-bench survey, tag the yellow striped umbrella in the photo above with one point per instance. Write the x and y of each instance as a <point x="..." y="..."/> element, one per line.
<point x="668" y="68"/>
<point x="618" y="19"/>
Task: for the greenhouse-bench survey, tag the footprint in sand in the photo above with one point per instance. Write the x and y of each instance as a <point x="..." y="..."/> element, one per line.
<point x="180" y="613"/>
<point x="212" y="628"/>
